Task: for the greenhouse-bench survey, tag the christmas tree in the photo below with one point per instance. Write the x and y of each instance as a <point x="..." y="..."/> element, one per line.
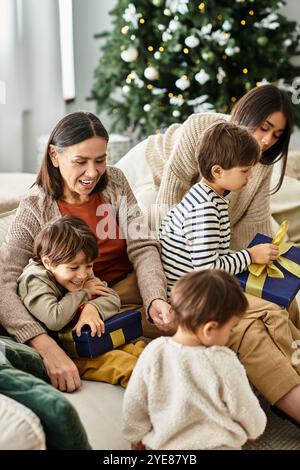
<point x="166" y="59"/>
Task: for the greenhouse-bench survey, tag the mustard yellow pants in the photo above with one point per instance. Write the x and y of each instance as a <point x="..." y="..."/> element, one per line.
<point x="113" y="367"/>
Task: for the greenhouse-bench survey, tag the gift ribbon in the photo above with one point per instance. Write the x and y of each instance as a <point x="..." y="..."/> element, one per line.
<point x="258" y="272"/>
<point x="66" y="337"/>
<point x="117" y="338"/>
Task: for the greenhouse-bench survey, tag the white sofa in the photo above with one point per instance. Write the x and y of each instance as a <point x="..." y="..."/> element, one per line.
<point x="99" y="404"/>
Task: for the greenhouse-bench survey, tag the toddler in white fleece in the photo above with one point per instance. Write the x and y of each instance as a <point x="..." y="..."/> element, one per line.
<point x="189" y="391"/>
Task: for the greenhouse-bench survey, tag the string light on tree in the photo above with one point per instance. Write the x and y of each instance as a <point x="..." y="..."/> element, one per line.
<point x="125" y="89"/>
<point x="157" y="3"/>
<point x="125" y="29"/>
<point x="207" y="55"/>
<point x="262" y="40"/>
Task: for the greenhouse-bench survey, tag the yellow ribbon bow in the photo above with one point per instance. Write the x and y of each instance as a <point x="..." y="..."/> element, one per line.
<point x="259" y="272"/>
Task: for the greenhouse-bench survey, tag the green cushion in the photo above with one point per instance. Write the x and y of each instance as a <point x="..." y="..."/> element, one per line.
<point x="59" y="419"/>
<point x="23" y="357"/>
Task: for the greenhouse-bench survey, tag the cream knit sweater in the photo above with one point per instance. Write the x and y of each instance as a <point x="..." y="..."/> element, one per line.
<point x="37" y="209"/>
<point x="190" y="397"/>
<point x="173" y="160"/>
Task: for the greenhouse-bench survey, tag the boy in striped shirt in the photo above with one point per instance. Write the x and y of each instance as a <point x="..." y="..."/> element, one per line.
<point x="195" y="234"/>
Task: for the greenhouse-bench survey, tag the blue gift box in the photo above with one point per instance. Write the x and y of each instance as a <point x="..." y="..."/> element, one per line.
<point x="120" y="329"/>
<point x="280" y="291"/>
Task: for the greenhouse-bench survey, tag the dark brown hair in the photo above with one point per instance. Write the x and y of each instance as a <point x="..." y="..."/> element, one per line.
<point x="253" y="109"/>
<point x="209" y="295"/>
<point x="227" y="145"/>
<point x="62" y="239"/>
<point x="70" y="130"/>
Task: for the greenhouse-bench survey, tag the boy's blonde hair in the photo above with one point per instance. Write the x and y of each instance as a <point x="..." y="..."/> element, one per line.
<point x="209" y="295"/>
<point x="62" y="239"/>
<point x="227" y="145"/>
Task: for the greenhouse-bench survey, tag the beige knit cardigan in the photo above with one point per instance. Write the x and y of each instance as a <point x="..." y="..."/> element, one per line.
<point x="37" y="209"/>
<point x="173" y="160"/>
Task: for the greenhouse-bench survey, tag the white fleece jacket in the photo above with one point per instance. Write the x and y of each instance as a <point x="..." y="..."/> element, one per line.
<point x="187" y="397"/>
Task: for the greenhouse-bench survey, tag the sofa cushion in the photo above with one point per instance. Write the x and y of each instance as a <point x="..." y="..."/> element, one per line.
<point x="59" y="419"/>
<point x="138" y="173"/>
<point x="23" y="357"/>
<point x="100" y="409"/>
<point x="20" y="428"/>
<point x="293" y="163"/>
<point x="13" y="187"/>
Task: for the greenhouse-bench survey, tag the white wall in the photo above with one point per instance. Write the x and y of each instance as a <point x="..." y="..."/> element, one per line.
<point x="45" y="101"/>
<point x="89" y="17"/>
<point x="30" y="66"/>
<point x="10" y="74"/>
<point x="292" y="11"/>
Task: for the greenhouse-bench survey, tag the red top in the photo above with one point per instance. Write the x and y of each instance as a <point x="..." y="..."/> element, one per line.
<point x="112" y="263"/>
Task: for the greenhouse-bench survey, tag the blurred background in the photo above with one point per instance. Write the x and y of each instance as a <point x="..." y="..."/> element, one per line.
<point x="161" y="61"/>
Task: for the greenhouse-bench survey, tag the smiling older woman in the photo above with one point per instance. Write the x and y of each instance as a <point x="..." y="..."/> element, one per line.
<point x="74" y="179"/>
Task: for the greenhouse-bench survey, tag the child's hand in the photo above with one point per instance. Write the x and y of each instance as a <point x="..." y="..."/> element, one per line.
<point x="90" y="316"/>
<point x="264" y="253"/>
<point x="96" y="287"/>
<point x="137" y="446"/>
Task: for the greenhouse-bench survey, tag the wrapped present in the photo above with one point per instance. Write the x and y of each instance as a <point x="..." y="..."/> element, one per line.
<point x="120" y="329"/>
<point x="280" y="281"/>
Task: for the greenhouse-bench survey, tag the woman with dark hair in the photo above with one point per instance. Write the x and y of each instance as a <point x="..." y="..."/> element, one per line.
<point x="172" y="157"/>
<point x="75" y="180"/>
<point x="264" y="337"/>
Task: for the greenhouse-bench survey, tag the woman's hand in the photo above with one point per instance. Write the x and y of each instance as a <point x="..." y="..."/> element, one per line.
<point x="61" y="370"/>
<point x="90" y="316"/>
<point x="160" y="312"/>
<point x="95" y="286"/>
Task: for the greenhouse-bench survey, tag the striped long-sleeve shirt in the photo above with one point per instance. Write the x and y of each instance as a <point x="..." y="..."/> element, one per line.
<point x="196" y="235"/>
